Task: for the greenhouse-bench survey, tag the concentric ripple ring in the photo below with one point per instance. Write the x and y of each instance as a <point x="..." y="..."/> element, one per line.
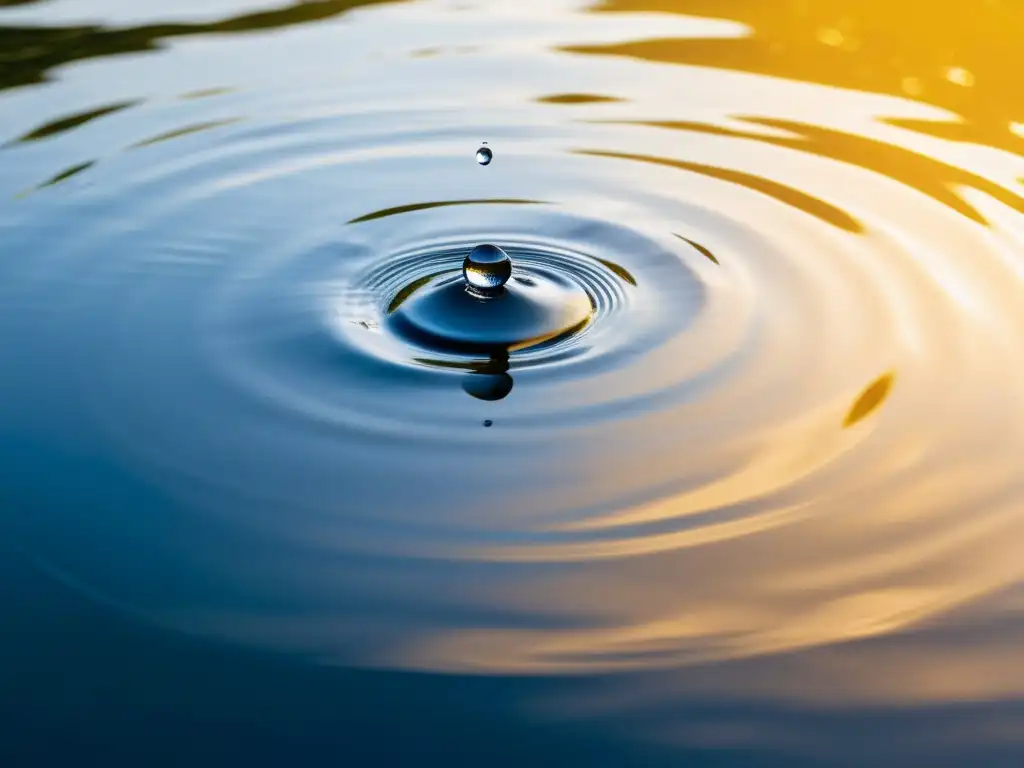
<point x="740" y="350"/>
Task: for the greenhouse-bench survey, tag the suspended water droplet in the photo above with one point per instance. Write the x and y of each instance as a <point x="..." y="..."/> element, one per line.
<point x="484" y="155"/>
<point x="487" y="269"/>
<point x="488" y="423"/>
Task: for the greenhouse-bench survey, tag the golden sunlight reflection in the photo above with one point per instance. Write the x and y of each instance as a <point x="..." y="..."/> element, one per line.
<point x="843" y="527"/>
<point x="946" y="48"/>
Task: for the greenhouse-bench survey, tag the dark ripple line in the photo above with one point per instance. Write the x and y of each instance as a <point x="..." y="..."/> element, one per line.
<point x="928" y="175"/>
<point x="42" y="49"/>
<point x="186" y="131"/>
<point x="622" y="272"/>
<point x="64" y="175"/>
<point x="578" y="98"/>
<point x="400" y="209"/>
<point x="784" y="194"/>
<point x="70" y="122"/>
<point x="700" y="249"/>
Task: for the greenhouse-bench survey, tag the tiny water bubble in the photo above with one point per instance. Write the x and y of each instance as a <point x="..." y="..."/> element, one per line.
<point x="487" y="268"/>
<point x="488" y="423"/>
<point x="484" y="155"/>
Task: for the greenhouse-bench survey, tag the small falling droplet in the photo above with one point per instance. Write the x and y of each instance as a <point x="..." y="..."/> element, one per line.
<point x="484" y="155"/>
<point x="487" y="269"/>
<point x="488" y="423"/>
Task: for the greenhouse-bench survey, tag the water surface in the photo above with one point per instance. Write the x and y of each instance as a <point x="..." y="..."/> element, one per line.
<point x="755" y="497"/>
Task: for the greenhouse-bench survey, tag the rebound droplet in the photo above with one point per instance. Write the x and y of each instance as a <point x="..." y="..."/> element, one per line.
<point x="484" y="155"/>
<point x="487" y="269"/>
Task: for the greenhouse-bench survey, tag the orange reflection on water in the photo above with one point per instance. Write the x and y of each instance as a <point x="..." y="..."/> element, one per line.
<point x="964" y="57"/>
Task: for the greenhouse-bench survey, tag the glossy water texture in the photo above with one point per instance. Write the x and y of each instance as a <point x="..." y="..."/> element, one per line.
<point x="733" y="474"/>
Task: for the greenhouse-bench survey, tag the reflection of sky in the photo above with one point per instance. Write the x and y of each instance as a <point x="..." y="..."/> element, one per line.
<point x="348" y="56"/>
<point x="337" y="54"/>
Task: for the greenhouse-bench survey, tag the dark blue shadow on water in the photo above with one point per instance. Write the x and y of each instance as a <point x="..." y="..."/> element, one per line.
<point x="83" y="684"/>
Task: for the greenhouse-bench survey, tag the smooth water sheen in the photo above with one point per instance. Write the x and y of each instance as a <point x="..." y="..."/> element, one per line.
<point x="729" y="472"/>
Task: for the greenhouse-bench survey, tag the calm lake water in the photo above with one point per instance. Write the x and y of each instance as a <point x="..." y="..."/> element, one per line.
<point x="730" y="472"/>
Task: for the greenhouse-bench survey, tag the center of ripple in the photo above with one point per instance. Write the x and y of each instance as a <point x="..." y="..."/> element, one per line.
<point x="480" y="312"/>
<point x="474" y="306"/>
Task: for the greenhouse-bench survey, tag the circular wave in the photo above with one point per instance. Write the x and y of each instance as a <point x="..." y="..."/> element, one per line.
<point x="791" y="417"/>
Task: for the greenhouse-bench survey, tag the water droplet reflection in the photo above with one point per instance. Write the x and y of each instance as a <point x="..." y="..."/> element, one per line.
<point x="490" y="380"/>
<point x="484" y="155"/>
<point x="487" y="268"/>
